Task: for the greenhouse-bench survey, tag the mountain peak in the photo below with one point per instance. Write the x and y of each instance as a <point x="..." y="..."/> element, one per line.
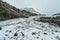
<point x="31" y="10"/>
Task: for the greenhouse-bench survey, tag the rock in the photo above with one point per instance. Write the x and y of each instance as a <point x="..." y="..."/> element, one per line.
<point x="22" y="34"/>
<point x="6" y="34"/>
<point x="10" y="31"/>
<point x="33" y="33"/>
<point x="15" y="34"/>
<point x="37" y="37"/>
<point x="0" y="28"/>
<point x="42" y="26"/>
<point x="45" y="33"/>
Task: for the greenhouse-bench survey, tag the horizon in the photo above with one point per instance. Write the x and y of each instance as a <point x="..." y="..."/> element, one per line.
<point x="47" y="7"/>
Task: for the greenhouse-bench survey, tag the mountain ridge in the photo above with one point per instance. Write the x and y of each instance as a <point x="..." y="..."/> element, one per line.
<point x="30" y="10"/>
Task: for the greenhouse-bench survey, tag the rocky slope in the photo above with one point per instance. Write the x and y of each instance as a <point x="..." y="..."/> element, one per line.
<point x="7" y="12"/>
<point x="54" y="20"/>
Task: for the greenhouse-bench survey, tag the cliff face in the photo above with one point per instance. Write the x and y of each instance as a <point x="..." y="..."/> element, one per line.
<point x="8" y="12"/>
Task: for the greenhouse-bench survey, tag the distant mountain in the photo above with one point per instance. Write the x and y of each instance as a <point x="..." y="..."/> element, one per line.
<point x="8" y="12"/>
<point x="31" y="10"/>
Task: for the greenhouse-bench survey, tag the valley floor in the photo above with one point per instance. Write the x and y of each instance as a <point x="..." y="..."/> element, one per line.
<point x="28" y="29"/>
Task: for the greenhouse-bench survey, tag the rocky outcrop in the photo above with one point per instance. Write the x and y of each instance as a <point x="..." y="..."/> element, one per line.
<point x="55" y="20"/>
<point x="57" y="15"/>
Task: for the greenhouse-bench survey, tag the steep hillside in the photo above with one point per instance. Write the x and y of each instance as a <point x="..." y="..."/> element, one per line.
<point x="7" y="12"/>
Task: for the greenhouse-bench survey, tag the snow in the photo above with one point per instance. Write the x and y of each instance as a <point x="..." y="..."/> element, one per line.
<point x="28" y="29"/>
<point x="30" y="10"/>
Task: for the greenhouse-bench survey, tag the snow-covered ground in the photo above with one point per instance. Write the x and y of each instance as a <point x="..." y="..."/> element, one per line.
<point x="28" y="29"/>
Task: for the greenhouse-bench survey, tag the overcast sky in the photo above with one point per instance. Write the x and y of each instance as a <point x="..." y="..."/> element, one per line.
<point x="43" y="6"/>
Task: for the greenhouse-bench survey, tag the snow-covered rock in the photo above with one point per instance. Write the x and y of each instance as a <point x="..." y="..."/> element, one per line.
<point x="30" y="10"/>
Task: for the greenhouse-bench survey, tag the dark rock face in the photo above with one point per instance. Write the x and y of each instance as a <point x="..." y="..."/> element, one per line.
<point x="8" y="12"/>
<point x="56" y="14"/>
<point x="0" y="28"/>
<point x="55" y="20"/>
